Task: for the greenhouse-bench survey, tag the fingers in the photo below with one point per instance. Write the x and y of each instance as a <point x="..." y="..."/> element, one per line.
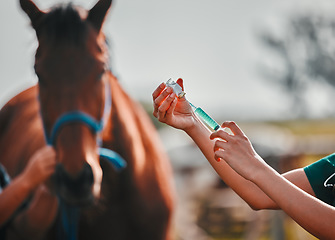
<point x="162" y="99"/>
<point x="40" y="166"/>
<point x="219" y="155"/>
<point x="49" y="160"/>
<point x="225" y="140"/>
<point x="48" y="151"/>
<point x="46" y="155"/>
<point x="159" y="96"/>
<point x="172" y="106"/>
<point x="43" y="161"/>
<point x="221" y="144"/>
<point x="158" y="91"/>
<point x="155" y="94"/>
<point x="233" y="127"/>
<point x="221" y="133"/>
<point x="165" y="110"/>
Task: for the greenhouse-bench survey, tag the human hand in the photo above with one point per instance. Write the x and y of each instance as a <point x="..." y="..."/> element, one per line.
<point x="169" y="109"/>
<point x="236" y="150"/>
<point x="40" y="166"/>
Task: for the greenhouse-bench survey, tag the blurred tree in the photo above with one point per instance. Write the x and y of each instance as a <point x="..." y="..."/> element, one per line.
<point x="307" y="53"/>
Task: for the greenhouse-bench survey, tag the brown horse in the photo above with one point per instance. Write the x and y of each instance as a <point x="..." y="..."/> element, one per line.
<point x="71" y="63"/>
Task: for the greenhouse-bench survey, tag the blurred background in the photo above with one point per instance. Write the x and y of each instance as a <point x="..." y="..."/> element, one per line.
<point x="266" y="64"/>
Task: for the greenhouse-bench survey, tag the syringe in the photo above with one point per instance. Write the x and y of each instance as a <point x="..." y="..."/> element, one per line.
<point x="210" y="122"/>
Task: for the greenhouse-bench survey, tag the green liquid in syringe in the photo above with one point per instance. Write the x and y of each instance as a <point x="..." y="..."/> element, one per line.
<point x="210" y="122"/>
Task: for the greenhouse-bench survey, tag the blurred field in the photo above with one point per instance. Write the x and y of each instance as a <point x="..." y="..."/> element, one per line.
<point x="209" y="210"/>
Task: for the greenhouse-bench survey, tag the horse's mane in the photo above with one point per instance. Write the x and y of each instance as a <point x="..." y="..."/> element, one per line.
<point x="63" y="24"/>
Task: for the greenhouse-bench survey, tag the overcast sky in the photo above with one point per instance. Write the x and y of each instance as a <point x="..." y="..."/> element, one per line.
<point x="211" y="44"/>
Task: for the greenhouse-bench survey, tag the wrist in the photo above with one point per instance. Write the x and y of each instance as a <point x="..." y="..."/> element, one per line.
<point x="28" y="181"/>
<point x="25" y="185"/>
<point x="193" y="125"/>
<point x="196" y="127"/>
<point x="261" y="172"/>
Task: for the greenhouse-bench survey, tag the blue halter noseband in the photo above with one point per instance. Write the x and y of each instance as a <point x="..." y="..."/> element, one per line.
<point x="70" y="214"/>
<point x="96" y="127"/>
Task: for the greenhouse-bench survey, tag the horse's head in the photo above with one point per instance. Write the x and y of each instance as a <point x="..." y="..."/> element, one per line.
<point x="71" y="64"/>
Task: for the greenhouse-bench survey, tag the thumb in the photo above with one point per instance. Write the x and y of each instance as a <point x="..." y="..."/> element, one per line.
<point x="180" y="82"/>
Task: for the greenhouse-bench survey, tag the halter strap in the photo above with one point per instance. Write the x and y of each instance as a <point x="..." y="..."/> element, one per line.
<point x="69" y="221"/>
<point x="71" y="117"/>
<point x="70" y="214"/>
<point x="78" y="116"/>
<point x="96" y="126"/>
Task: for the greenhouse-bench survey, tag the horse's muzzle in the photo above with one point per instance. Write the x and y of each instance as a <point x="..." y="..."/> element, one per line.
<point x="76" y="190"/>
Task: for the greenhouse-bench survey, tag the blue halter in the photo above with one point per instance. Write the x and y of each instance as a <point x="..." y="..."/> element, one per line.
<point x="70" y="214"/>
<point x="96" y="127"/>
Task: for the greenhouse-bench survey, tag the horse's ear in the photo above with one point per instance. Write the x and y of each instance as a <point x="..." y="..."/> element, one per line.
<point x="97" y="14"/>
<point x="33" y="12"/>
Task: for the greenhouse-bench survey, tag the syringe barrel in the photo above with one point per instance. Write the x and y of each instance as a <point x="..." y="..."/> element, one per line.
<point x="210" y="122"/>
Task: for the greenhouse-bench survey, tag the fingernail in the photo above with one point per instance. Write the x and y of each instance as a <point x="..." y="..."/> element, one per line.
<point x="173" y="95"/>
<point x="169" y="90"/>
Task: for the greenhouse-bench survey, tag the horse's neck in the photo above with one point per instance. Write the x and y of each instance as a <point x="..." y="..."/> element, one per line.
<point x="20" y="130"/>
<point x="133" y="134"/>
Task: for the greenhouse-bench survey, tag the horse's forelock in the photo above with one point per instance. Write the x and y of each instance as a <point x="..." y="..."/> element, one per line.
<point x="63" y="24"/>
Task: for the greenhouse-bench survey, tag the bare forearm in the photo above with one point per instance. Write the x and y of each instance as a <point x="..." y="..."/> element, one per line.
<point x="244" y="188"/>
<point x="12" y="197"/>
<point x="40" y="167"/>
<point x="37" y="219"/>
<point x="309" y="212"/>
